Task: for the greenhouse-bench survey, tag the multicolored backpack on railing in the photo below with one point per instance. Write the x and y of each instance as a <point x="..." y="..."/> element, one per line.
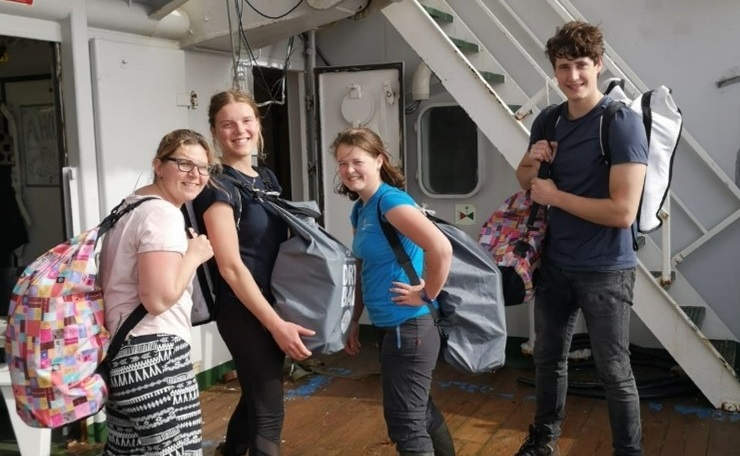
<point x="56" y="338"/>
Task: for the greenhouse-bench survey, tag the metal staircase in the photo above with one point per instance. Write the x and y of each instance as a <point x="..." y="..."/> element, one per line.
<point x="487" y="57"/>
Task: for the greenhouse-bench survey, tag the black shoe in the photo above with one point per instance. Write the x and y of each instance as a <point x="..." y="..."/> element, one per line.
<point x="538" y="443"/>
<point x="221" y="450"/>
<point x="442" y="441"/>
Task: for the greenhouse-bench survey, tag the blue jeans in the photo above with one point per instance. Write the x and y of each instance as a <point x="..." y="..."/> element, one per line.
<point x="605" y="298"/>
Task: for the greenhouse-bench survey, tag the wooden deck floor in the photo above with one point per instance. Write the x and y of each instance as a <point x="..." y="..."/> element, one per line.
<point x="330" y="415"/>
<point x="333" y="415"/>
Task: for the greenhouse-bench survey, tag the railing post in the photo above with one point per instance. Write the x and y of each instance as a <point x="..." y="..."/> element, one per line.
<point x="667" y="267"/>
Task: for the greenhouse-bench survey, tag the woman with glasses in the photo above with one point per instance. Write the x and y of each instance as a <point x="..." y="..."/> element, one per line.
<point x="256" y="336"/>
<point x="147" y="257"/>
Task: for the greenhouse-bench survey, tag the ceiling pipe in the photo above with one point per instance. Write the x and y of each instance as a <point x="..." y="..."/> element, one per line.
<point x="108" y="15"/>
<point x="117" y="15"/>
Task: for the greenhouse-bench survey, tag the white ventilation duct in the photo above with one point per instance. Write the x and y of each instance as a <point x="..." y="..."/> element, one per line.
<point x="115" y="15"/>
<point x="420" y="81"/>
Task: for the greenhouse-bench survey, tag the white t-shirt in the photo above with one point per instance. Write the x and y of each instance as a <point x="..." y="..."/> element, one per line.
<point x="153" y="226"/>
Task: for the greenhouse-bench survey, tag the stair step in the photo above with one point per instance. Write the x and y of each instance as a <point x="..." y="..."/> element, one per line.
<point x="514" y="107"/>
<point x="640" y="240"/>
<point x="658" y="274"/>
<point x="695" y="314"/>
<point x="438" y="14"/>
<point x="465" y="46"/>
<point x="728" y="350"/>
<point x="493" y="78"/>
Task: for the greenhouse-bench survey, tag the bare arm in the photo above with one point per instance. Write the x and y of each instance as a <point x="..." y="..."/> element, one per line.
<point x="618" y="210"/>
<point x="164" y="275"/>
<point x="410" y="221"/>
<point x="219" y="220"/>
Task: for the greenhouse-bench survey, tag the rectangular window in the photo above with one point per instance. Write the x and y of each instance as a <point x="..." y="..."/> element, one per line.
<point x="448" y="151"/>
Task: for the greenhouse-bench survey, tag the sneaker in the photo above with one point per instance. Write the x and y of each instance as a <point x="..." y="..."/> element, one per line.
<point x="538" y="443"/>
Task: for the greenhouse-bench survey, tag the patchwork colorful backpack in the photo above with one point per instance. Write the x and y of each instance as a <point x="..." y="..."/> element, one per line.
<point x="56" y="337"/>
<point x="514" y="235"/>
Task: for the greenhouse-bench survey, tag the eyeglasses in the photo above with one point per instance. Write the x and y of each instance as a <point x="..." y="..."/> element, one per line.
<point x="185" y="165"/>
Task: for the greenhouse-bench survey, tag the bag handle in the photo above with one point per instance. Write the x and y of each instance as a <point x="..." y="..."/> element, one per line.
<point x="290" y="212"/>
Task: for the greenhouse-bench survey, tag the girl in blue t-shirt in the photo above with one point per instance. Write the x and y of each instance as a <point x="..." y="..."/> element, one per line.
<point x="407" y="338"/>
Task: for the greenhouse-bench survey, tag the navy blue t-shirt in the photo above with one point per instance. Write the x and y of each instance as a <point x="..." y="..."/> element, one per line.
<point x="260" y="231"/>
<point x="579" y="168"/>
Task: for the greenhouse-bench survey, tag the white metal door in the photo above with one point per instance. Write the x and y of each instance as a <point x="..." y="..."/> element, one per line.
<point x="130" y="123"/>
<point x="369" y="96"/>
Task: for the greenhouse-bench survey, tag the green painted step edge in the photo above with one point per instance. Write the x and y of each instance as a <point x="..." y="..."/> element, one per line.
<point x="728" y="349"/>
<point x="695" y="314"/>
<point x="438" y="14"/>
<point x="465" y="46"/>
<point x="493" y="78"/>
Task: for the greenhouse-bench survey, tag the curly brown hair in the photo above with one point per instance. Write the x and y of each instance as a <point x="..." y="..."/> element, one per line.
<point x="576" y="39"/>
<point x="369" y="141"/>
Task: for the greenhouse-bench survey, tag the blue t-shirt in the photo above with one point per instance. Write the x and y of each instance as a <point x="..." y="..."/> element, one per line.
<point x="579" y="168"/>
<point x="260" y="231"/>
<point x="379" y="264"/>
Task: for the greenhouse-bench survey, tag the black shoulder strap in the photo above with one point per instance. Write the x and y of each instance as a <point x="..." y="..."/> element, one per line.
<point x="266" y="176"/>
<point x="128" y="324"/>
<point x="401" y="256"/>
<point x="606" y="153"/>
<point x="116" y="214"/>
<point x="405" y="262"/>
<point x="236" y="195"/>
<point x="549" y="122"/>
<point x="140" y="312"/>
<point x="606" y="121"/>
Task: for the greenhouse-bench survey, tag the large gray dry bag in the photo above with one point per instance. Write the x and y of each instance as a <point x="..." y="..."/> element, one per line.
<point x="313" y="280"/>
<point x="471" y="318"/>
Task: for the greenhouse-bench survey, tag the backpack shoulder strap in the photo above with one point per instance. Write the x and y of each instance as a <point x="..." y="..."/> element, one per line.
<point x="606" y="121"/>
<point x="128" y="324"/>
<point x="270" y="184"/>
<point x="236" y="195"/>
<point x="551" y="119"/>
<point x="116" y="214"/>
<point x="405" y="262"/>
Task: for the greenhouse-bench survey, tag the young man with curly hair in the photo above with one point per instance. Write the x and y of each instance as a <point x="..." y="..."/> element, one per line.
<point x="588" y="263"/>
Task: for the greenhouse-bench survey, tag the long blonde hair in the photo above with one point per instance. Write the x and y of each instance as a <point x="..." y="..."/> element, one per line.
<point x="221" y="99"/>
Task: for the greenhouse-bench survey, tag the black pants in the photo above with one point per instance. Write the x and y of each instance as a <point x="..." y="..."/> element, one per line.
<point x="257" y="421"/>
<point x="408" y="355"/>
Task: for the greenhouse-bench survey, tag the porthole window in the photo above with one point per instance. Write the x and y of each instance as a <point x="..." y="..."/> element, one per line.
<point x="448" y="151"/>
